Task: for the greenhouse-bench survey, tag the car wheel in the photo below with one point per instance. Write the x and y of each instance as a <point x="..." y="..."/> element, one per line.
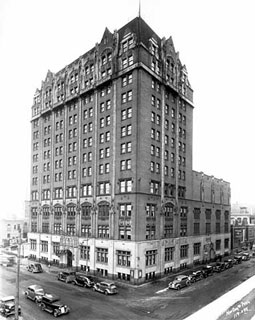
<point x="178" y="287"/>
<point x="188" y="283"/>
<point x="55" y="313"/>
<point x="106" y="292"/>
<point x="43" y="306"/>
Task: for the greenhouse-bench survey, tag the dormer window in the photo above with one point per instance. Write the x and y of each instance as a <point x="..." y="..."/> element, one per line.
<point x="127" y="43"/>
<point x="153" y="47"/>
<point x="153" y="50"/>
<point x="125" y="46"/>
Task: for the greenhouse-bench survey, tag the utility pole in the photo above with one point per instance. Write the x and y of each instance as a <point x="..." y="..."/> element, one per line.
<point x="17" y="279"/>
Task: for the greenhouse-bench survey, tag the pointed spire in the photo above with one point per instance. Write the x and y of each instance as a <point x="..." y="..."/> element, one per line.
<point x="139" y="10"/>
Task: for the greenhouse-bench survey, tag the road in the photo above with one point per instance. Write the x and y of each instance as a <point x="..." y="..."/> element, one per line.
<point x="150" y="301"/>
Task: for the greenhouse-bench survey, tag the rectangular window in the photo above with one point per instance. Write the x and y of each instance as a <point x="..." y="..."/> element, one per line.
<point x="184" y="251"/>
<point x="125" y="185"/>
<point x="196" y="248"/>
<point x="85" y="253"/>
<point x="102" y="255"/>
<point x="218" y="244"/>
<point x="123" y="258"/>
<point x="169" y="254"/>
<point x="150" y="257"/>
<point x="196" y="228"/>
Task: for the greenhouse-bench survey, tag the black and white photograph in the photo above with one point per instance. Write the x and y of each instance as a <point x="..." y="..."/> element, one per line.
<point x="127" y="163"/>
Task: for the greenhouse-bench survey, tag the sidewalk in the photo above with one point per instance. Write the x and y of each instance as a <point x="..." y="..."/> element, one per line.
<point x="238" y="303"/>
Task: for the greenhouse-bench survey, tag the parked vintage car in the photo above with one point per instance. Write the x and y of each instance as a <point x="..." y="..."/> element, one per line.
<point x="245" y="256"/>
<point x="35" y="267"/>
<point x="196" y="276"/>
<point x="238" y="258"/>
<point x="228" y="263"/>
<point x="219" y="267"/>
<point x="84" y="281"/>
<point x="7" y="306"/>
<point x="66" y="276"/>
<point x="105" y="287"/>
<point x="207" y="270"/>
<point x="179" y="282"/>
<point x="34" y="292"/>
<point x="52" y="304"/>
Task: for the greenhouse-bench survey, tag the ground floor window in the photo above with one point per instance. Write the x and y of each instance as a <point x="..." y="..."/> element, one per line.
<point x="85" y="268"/>
<point x="183" y="266"/>
<point x="123" y="276"/>
<point x="150" y="275"/>
<point x="55" y="262"/>
<point x="168" y="270"/>
<point x="44" y="259"/>
<point x="102" y="272"/>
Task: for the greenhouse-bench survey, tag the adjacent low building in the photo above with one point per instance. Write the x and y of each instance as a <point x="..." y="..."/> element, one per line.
<point x="113" y="191"/>
<point x="242" y="227"/>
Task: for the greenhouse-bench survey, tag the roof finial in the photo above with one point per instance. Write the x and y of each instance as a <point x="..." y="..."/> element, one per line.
<point x="139" y="12"/>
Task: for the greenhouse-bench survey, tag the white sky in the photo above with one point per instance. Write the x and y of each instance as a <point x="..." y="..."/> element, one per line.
<point x="215" y="39"/>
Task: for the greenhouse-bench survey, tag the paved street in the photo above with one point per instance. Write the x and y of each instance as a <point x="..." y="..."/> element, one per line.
<point x="150" y="301"/>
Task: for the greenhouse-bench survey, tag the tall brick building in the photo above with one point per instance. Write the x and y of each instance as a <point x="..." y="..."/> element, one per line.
<point x="112" y="186"/>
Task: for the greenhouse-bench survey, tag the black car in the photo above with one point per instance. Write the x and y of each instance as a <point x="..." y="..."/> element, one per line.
<point x="66" y="276"/>
<point x="245" y="256"/>
<point x="7" y="306"/>
<point x="84" y="281"/>
<point x="207" y="270"/>
<point x="238" y="258"/>
<point x="196" y="276"/>
<point x="219" y="266"/>
<point x="52" y="304"/>
<point x="228" y="263"/>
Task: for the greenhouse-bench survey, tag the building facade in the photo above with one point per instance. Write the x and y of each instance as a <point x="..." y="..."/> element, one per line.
<point x="242" y="227"/>
<point x="9" y="231"/>
<point x="112" y="186"/>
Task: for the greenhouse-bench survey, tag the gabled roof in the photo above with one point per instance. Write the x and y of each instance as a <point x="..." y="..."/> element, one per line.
<point x="141" y="29"/>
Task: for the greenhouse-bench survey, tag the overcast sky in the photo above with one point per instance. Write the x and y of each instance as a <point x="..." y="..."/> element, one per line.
<point x="215" y="39"/>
